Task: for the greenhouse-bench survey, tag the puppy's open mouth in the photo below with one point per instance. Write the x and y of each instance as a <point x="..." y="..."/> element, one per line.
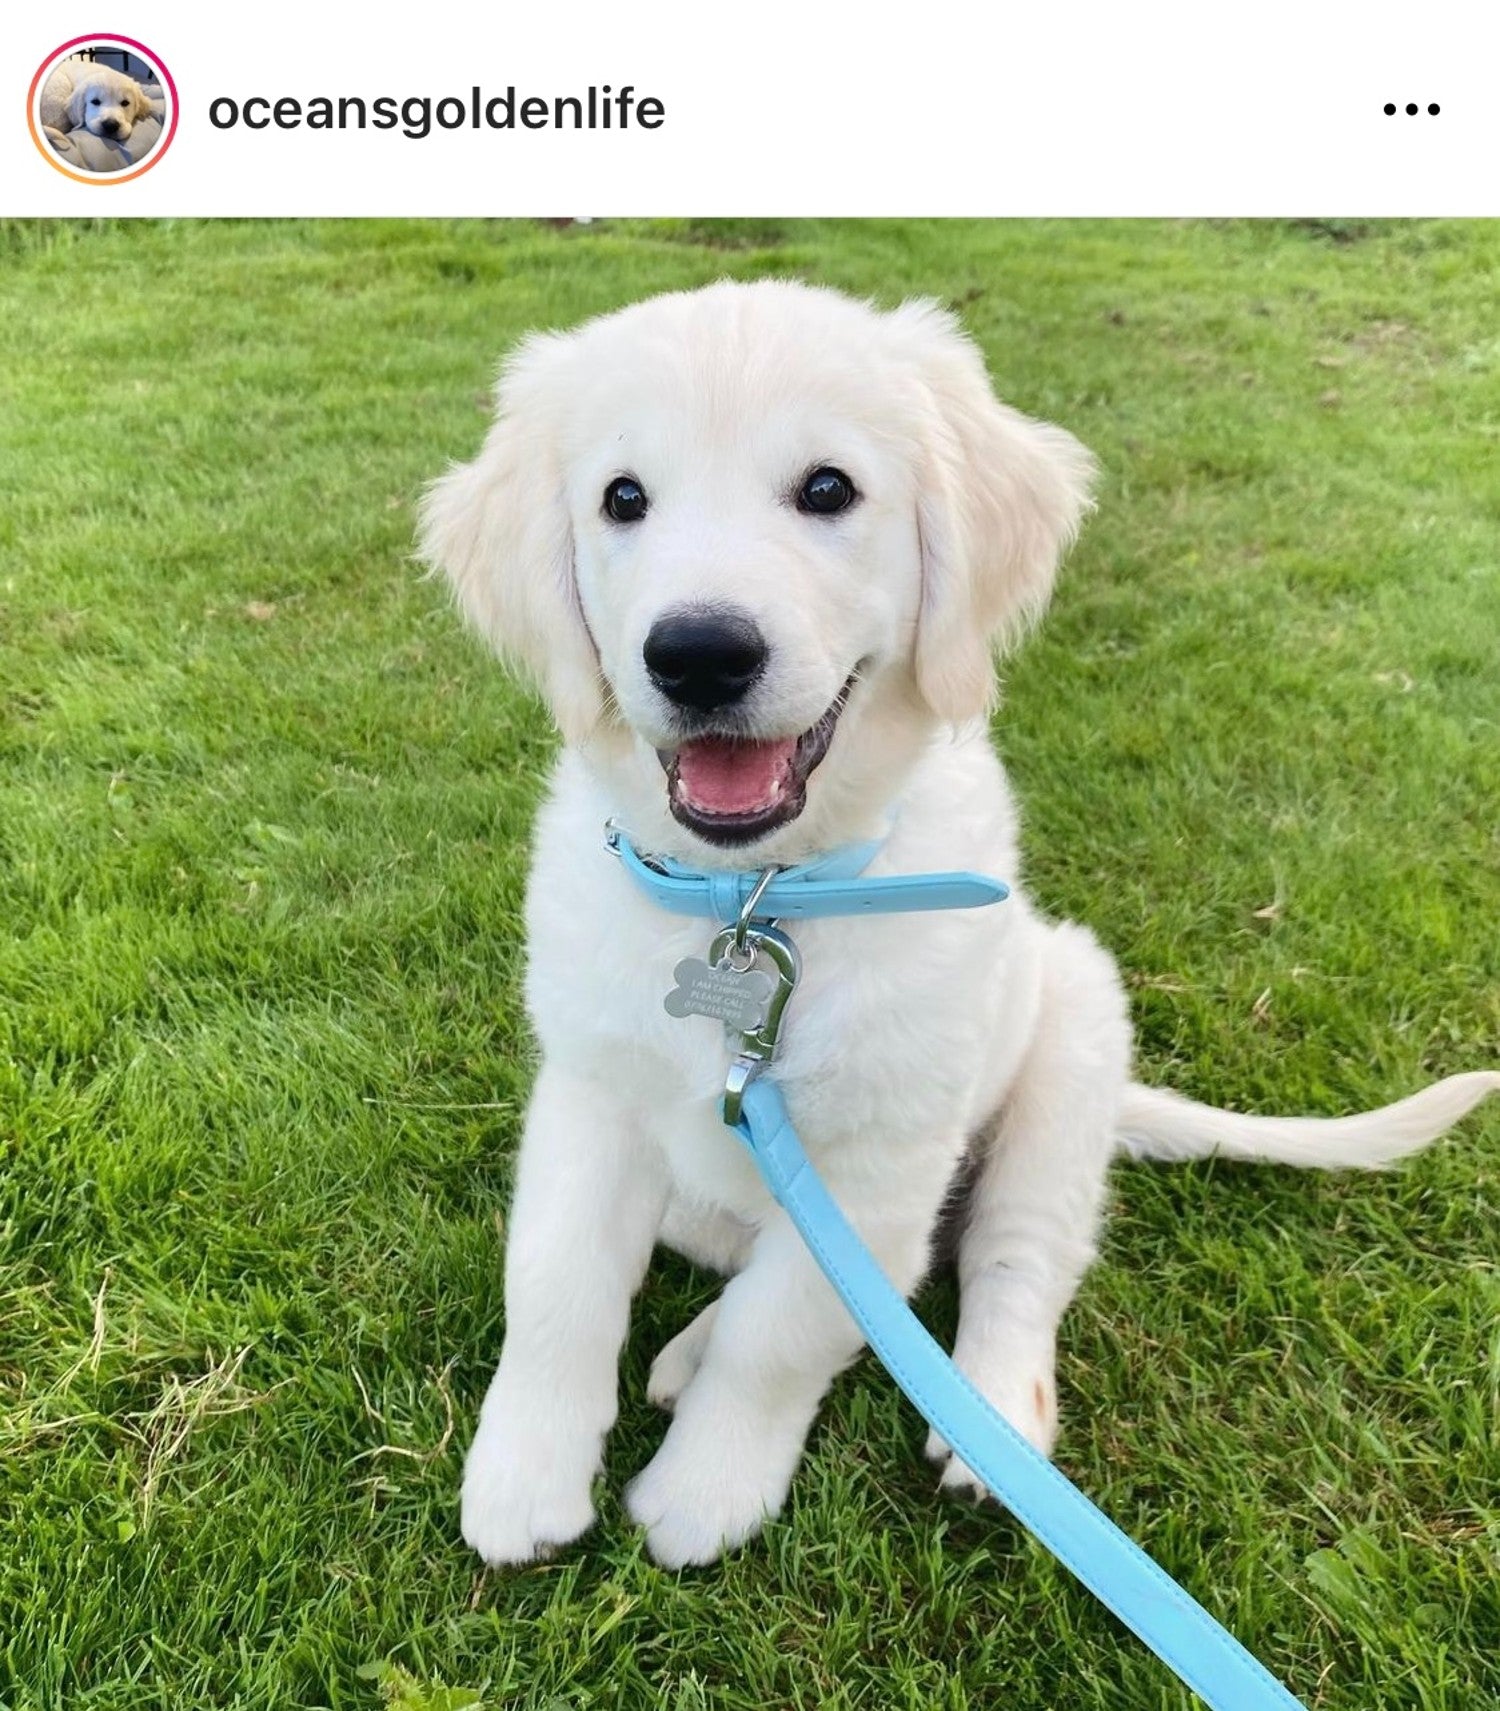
<point x="732" y="790"/>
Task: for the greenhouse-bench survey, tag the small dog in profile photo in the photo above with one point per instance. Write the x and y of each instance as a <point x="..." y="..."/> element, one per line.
<point x="79" y="96"/>
<point x="102" y="118"/>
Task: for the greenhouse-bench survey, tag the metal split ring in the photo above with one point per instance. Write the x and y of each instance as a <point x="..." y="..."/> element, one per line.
<point x="747" y="913"/>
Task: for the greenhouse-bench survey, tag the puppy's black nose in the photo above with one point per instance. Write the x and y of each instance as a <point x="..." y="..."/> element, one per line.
<point x="110" y="127"/>
<point x="704" y="659"/>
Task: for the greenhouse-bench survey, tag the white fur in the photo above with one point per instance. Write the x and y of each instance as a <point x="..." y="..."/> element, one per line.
<point x="912" y="1039"/>
<point x="79" y="95"/>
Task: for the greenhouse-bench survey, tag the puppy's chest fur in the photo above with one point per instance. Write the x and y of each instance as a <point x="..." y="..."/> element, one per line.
<point x="898" y="1042"/>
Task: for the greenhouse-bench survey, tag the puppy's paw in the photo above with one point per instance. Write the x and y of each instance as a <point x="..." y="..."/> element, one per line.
<point x="716" y="1478"/>
<point x="1027" y="1400"/>
<point x="677" y="1364"/>
<point x="936" y="1448"/>
<point x="526" y="1491"/>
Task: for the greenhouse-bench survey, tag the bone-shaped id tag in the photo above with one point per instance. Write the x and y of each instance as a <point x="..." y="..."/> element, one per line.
<point x="746" y="987"/>
<point x="737" y="997"/>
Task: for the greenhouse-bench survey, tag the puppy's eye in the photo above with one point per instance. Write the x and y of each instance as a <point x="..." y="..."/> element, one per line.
<point x="625" y="499"/>
<point x="826" y="491"/>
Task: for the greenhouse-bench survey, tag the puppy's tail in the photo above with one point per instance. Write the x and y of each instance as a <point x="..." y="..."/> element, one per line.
<point x="1155" y="1123"/>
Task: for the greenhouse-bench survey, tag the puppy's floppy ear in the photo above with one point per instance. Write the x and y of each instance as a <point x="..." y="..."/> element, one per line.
<point x="78" y="103"/>
<point x="498" y="528"/>
<point x="1000" y="499"/>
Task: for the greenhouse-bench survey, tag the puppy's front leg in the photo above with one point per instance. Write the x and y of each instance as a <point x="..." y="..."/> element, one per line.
<point x="588" y="1201"/>
<point x="779" y="1338"/>
<point x="1034" y="1210"/>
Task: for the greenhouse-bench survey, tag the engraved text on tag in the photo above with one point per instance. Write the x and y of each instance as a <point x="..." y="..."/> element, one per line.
<point x="736" y="996"/>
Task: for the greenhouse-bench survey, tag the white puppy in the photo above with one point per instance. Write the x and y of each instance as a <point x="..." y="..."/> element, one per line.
<point x="79" y="95"/>
<point x="755" y="543"/>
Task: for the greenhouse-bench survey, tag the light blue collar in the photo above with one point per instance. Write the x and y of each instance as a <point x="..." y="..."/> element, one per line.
<point x="831" y="885"/>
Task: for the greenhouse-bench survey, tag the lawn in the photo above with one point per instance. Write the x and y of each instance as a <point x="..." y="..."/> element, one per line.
<point x="263" y="821"/>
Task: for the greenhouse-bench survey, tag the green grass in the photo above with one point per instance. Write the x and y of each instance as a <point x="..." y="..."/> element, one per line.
<point x="263" y="818"/>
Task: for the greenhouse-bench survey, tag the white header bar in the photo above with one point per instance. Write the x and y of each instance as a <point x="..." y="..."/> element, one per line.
<point x="771" y="107"/>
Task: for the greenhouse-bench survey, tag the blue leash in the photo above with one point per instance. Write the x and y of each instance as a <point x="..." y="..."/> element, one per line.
<point x="1115" y="1569"/>
<point x="1045" y="1501"/>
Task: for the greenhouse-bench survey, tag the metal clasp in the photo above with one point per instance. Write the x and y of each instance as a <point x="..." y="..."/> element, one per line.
<point x="755" y="1048"/>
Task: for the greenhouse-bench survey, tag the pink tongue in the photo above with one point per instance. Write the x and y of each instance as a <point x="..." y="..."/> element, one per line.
<point x="720" y="776"/>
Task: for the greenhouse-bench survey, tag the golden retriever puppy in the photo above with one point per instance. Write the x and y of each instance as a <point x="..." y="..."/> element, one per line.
<point x="80" y="96"/>
<point x="755" y="544"/>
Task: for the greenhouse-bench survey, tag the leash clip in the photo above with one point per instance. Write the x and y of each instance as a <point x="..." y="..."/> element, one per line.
<point x="742" y="946"/>
<point x="742" y="1071"/>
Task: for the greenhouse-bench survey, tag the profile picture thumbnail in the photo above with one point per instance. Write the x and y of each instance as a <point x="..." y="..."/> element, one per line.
<point x="103" y="107"/>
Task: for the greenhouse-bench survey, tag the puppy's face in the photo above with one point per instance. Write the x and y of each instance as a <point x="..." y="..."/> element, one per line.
<point x="109" y="104"/>
<point x="747" y="561"/>
<point x="755" y="542"/>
